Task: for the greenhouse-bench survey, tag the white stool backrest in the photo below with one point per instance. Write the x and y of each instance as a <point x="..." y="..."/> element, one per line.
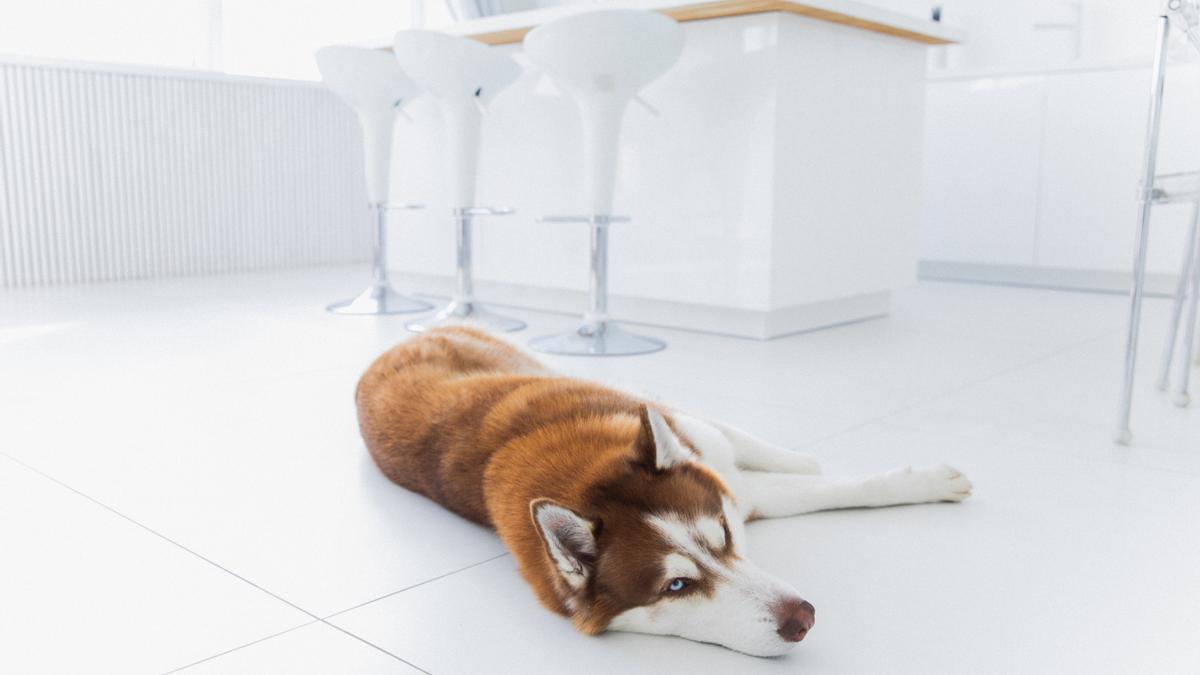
<point x="462" y="75"/>
<point x="452" y="67"/>
<point x="602" y="59"/>
<point x="610" y="53"/>
<point x="372" y="83"/>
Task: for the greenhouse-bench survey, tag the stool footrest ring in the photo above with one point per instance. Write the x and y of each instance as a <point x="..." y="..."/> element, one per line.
<point x="483" y="210"/>
<point x="598" y="219"/>
<point x="596" y="338"/>
<point x="395" y="206"/>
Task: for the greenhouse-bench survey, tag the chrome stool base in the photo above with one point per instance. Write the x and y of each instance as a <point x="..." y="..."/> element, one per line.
<point x="597" y="335"/>
<point x="597" y="338"/>
<point x="466" y="311"/>
<point x="379" y="300"/>
<point x="461" y="309"/>
<point x="380" y="297"/>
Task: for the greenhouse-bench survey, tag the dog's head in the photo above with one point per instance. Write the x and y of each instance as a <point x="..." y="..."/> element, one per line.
<point x="662" y="550"/>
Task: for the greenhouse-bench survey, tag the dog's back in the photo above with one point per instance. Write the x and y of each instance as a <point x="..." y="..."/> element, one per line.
<point x="434" y="411"/>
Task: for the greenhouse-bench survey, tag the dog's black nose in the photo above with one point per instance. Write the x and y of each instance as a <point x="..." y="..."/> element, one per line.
<point x="796" y="618"/>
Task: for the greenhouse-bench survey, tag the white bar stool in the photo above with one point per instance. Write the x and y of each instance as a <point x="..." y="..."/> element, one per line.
<point x="601" y="60"/>
<point x="462" y="75"/>
<point x="1155" y="189"/>
<point x="373" y="85"/>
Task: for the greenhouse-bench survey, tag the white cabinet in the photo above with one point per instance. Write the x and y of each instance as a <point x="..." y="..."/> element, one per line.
<point x="1095" y="129"/>
<point x="1094" y="126"/>
<point x="1040" y="171"/>
<point x="981" y="170"/>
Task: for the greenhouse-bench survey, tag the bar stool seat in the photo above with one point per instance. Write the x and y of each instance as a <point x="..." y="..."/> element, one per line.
<point x="601" y="60"/>
<point x="371" y="83"/>
<point x="462" y="76"/>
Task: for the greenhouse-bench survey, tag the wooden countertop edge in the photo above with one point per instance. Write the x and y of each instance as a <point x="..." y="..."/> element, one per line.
<point x="724" y="8"/>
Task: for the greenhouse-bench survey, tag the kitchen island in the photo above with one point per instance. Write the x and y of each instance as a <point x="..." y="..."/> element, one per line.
<point x="773" y="179"/>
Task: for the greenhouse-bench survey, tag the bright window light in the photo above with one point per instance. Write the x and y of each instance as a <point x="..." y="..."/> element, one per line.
<point x="266" y="38"/>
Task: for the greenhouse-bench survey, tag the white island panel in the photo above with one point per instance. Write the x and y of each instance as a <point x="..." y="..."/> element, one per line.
<point x="776" y="190"/>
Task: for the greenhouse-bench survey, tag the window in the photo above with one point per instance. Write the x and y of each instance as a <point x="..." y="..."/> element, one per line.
<point x="268" y="38"/>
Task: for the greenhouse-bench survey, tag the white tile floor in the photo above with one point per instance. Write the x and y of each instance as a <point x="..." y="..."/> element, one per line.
<point x="182" y="486"/>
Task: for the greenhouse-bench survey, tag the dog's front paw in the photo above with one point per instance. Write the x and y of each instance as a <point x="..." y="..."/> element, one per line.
<point x="939" y="483"/>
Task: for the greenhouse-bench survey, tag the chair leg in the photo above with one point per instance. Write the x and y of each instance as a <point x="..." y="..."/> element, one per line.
<point x="1196" y="341"/>
<point x="1196" y="350"/>
<point x="1124" y="435"/>
<point x="1181" y="292"/>
<point x="1182" y="397"/>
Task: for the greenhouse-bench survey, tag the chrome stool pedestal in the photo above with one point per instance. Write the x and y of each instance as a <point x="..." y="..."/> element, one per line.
<point x="597" y="335"/>
<point x="372" y="84"/>
<point x="463" y="307"/>
<point x="380" y="297"/>
<point x="462" y="77"/>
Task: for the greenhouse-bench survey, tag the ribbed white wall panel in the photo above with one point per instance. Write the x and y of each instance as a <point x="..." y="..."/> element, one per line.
<point x="111" y="175"/>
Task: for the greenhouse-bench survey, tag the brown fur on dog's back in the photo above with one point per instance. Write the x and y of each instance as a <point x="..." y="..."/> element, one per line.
<point x="483" y="429"/>
<point x="420" y="406"/>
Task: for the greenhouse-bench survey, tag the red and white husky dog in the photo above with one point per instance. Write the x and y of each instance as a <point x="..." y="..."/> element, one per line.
<point x="622" y="514"/>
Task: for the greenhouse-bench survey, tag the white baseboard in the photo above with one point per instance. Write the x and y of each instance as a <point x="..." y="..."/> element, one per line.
<point x="1101" y="281"/>
<point x="669" y="314"/>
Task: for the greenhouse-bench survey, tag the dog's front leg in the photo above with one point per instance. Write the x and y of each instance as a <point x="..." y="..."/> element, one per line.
<point x="772" y="495"/>
<point x="755" y="454"/>
<point x="725" y="448"/>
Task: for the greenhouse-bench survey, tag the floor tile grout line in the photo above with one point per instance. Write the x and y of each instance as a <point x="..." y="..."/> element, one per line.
<point x="416" y="585"/>
<point x="215" y="386"/>
<point x="316" y="619"/>
<point x="884" y="419"/>
<point x="159" y="535"/>
<point x="372" y="644"/>
<point x="888" y="418"/>
<point x="1033" y="447"/>
<point x="243" y="646"/>
<point x="1007" y="341"/>
<point x="1055" y="350"/>
<point x="1000" y="373"/>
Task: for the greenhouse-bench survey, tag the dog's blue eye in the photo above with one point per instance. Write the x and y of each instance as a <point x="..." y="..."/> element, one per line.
<point x="677" y="585"/>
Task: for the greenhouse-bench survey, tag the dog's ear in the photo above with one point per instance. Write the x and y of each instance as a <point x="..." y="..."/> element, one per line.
<point x="569" y="538"/>
<point x="658" y="447"/>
